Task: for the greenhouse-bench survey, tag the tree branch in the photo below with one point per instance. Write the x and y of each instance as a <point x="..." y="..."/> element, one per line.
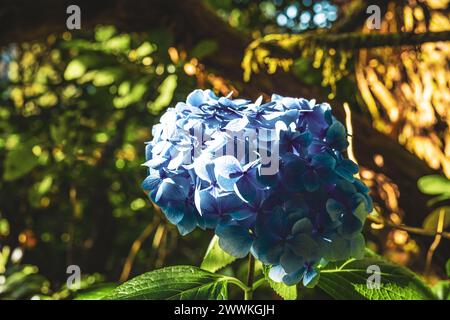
<point x="356" y="14"/>
<point x="363" y="40"/>
<point x="291" y="45"/>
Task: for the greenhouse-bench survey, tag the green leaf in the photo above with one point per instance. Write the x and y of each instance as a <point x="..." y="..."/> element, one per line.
<point x="437" y="199"/>
<point x="95" y="292"/>
<point x="119" y="43"/>
<point x="434" y="184"/>
<point x="75" y="69"/>
<point x="134" y="95"/>
<point x="103" y="33"/>
<point x="106" y="76"/>
<point x="442" y="290"/>
<point x="20" y="160"/>
<point x="174" y="283"/>
<point x="204" y="48"/>
<point x="284" y="291"/>
<point x="431" y="221"/>
<point x="145" y="49"/>
<point x="166" y="90"/>
<point x="215" y="258"/>
<point x="348" y="281"/>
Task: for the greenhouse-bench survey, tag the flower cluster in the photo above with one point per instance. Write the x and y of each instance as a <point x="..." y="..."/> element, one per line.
<point x="307" y="211"/>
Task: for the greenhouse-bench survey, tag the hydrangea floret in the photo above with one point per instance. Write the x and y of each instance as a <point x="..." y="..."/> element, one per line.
<point x="291" y="199"/>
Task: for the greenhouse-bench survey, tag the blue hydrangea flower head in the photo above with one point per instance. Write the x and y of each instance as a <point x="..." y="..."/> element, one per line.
<point x="270" y="179"/>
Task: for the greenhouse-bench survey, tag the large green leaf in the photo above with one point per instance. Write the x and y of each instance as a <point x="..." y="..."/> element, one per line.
<point x="95" y="292"/>
<point x="166" y="91"/>
<point x="349" y="281"/>
<point x="20" y="160"/>
<point x="431" y="220"/>
<point x="284" y="291"/>
<point x="173" y="283"/>
<point x="215" y="258"/>
<point x="434" y="184"/>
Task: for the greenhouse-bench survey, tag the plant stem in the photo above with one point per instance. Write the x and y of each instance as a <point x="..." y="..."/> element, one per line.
<point x="250" y="277"/>
<point x="258" y="282"/>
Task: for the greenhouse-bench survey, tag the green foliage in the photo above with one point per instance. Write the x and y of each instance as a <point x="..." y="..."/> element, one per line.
<point x="215" y="258"/>
<point x="166" y="91"/>
<point x="438" y="186"/>
<point x="349" y="281"/>
<point x="20" y="160"/>
<point x="19" y="281"/>
<point x="96" y="292"/>
<point x="75" y="69"/>
<point x="204" y="48"/>
<point x="174" y="283"/>
<point x="75" y="112"/>
<point x="434" y="185"/>
<point x="431" y="220"/>
<point x="343" y="280"/>
<point x="22" y="282"/>
<point x="442" y="290"/>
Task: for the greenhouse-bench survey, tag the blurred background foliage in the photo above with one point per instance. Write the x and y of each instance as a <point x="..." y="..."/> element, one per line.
<point x="77" y="107"/>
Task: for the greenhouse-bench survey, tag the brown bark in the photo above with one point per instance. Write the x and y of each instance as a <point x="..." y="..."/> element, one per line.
<point x="190" y="21"/>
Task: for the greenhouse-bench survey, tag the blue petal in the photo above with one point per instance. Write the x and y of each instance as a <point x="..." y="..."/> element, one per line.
<point x="346" y="169"/>
<point x="311" y="181"/>
<point x="226" y="184"/>
<point x="293" y="278"/>
<point x="277" y="273"/>
<point x="302" y="226"/>
<point x="228" y="167"/>
<point x="291" y="173"/>
<point x="237" y="125"/>
<point x="242" y="213"/>
<point x="323" y="160"/>
<point x="304" y="246"/>
<point x="196" y="98"/>
<point x="188" y="223"/>
<point x="229" y="202"/>
<point x="173" y="213"/>
<point x="206" y="203"/>
<point x="360" y="212"/>
<point x="334" y="209"/>
<point x="152" y="181"/>
<point x="204" y="168"/>
<point x="357" y="246"/>
<point x="310" y="278"/>
<point x="156" y="162"/>
<point x="267" y="249"/>
<point x="339" y="249"/>
<point x="290" y="261"/>
<point x="169" y="191"/>
<point x="351" y="226"/>
<point x="235" y="240"/>
<point x="337" y="136"/>
<point x="245" y="189"/>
